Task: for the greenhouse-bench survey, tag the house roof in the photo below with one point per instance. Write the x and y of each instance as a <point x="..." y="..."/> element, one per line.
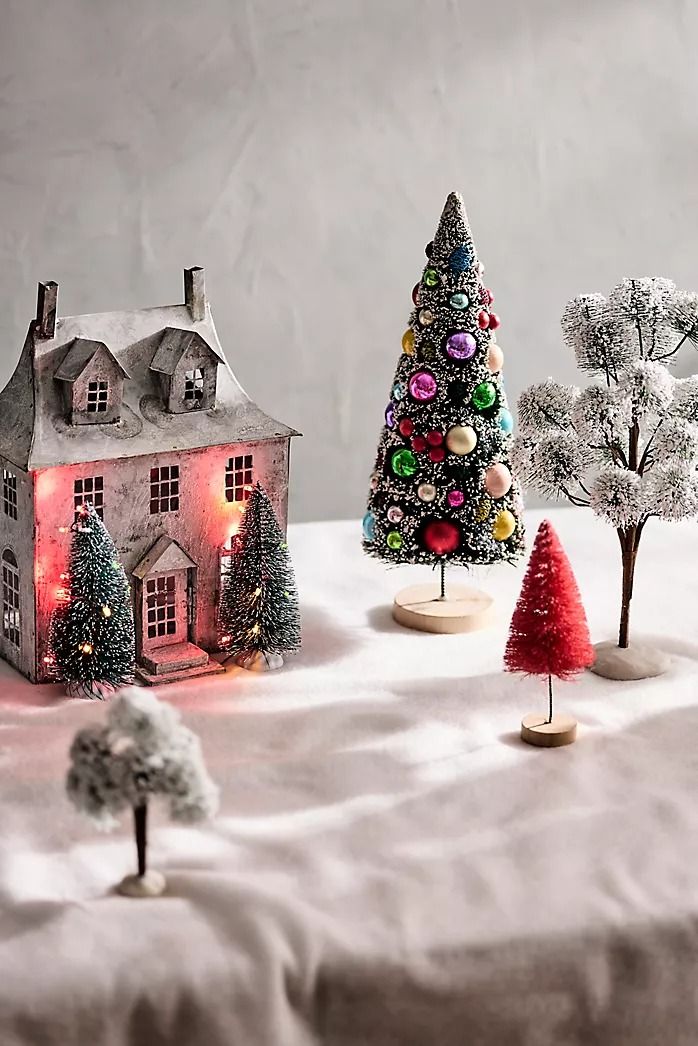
<point x="80" y="353"/>
<point x="173" y="344"/>
<point x="35" y="433"/>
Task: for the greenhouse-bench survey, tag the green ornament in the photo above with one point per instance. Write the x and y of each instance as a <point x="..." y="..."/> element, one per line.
<point x="394" y="540"/>
<point x="403" y="463"/>
<point x="484" y="395"/>
<point x="431" y="277"/>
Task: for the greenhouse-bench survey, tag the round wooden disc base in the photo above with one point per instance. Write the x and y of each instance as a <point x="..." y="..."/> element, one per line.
<point x="638" y="661"/>
<point x="562" y="730"/>
<point x="259" y="661"/>
<point x="463" y="610"/>
<point x="152" y="884"/>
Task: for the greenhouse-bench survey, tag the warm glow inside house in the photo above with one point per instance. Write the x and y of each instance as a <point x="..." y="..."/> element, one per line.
<point x="140" y="414"/>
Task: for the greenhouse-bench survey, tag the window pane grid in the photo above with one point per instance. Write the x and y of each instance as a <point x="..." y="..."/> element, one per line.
<point x="160" y="606"/>
<point x="97" y="396"/>
<point x="10" y="601"/>
<point x="164" y="489"/>
<point x="89" y="491"/>
<point x="194" y="384"/>
<point x="238" y="477"/>
<point x="9" y="493"/>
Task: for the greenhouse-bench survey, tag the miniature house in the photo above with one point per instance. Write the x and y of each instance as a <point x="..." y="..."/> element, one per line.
<point x="139" y="414"/>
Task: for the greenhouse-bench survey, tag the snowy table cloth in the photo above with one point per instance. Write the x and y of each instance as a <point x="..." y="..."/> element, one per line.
<point x="391" y="865"/>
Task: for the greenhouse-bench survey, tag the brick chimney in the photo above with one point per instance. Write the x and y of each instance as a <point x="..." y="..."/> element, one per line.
<point x="195" y="292"/>
<point x="46" y="302"/>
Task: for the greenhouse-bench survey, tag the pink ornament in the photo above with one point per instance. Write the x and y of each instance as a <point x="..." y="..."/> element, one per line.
<point x="455" y="498"/>
<point x="497" y="480"/>
<point x="423" y="386"/>
<point x="495" y="358"/>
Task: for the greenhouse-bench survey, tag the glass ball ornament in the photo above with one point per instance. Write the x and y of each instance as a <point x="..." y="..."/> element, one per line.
<point x="460" y="345"/>
<point x="498" y="480"/>
<point x="426" y="317"/>
<point x="423" y="386"/>
<point x="455" y="498"/>
<point x="484" y="395"/>
<point x="430" y="277"/>
<point x="408" y="342"/>
<point x="483" y="319"/>
<point x="441" y="536"/>
<point x="374" y="482"/>
<point x="506" y="421"/>
<point x="395" y="514"/>
<point x="495" y="358"/>
<point x="415" y="294"/>
<point x="460" y="259"/>
<point x="403" y="463"/>
<point x="368" y="525"/>
<point x="437" y="454"/>
<point x="394" y="540"/>
<point x="426" y="492"/>
<point x="406" y="427"/>
<point x="390" y="415"/>
<point x="459" y="301"/>
<point x="398" y="391"/>
<point x="434" y="438"/>
<point x="504" y="525"/>
<point x="461" y="439"/>
<point x="494" y="321"/>
<point x="418" y="444"/>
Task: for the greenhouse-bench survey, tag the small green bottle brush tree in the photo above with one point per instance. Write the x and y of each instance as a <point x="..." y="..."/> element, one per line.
<point x="91" y="638"/>
<point x="258" y="614"/>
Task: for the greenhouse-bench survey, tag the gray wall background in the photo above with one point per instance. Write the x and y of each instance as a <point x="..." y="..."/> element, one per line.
<point x="301" y="150"/>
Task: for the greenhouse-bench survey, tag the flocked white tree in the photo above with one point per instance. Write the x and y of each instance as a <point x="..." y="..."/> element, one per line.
<point x="142" y="751"/>
<point x="626" y="445"/>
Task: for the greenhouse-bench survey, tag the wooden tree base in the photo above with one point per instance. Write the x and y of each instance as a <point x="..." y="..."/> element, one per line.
<point x="561" y="730"/>
<point x="638" y="661"/>
<point x="152" y="884"/>
<point x="463" y="610"/>
<point x="259" y="660"/>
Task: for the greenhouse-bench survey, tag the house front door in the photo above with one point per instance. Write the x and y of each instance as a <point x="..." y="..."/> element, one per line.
<point x="165" y="614"/>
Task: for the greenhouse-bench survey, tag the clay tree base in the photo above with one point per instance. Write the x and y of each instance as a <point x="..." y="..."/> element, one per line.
<point x="151" y="884"/>
<point x="259" y="660"/>
<point x="463" y="610"/>
<point x="561" y="730"/>
<point x="638" y="661"/>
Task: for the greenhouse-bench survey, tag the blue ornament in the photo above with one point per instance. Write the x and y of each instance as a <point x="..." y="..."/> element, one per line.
<point x="398" y="391"/>
<point x="460" y="260"/>
<point x="459" y="301"/>
<point x="506" y="422"/>
<point x="369" y="527"/>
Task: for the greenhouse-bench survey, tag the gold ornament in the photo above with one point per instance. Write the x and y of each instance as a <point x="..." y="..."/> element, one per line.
<point x="408" y="342"/>
<point x="483" y="510"/>
<point x="504" y="525"/>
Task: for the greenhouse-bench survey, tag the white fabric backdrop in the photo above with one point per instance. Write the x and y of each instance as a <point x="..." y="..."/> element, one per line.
<point x="390" y="864"/>
<point x="302" y="149"/>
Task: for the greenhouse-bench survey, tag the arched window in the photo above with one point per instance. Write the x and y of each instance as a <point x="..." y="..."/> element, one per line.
<point x="10" y="598"/>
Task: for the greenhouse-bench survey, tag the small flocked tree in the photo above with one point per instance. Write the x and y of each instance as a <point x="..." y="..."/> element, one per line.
<point x="91" y="640"/>
<point x="143" y="751"/>
<point x="442" y="489"/>
<point x="258" y="615"/>
<point x="549" y="635"/>
<point x="626" y="445"/>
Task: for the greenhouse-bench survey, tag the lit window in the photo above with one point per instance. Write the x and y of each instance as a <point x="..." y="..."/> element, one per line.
<point x="161" y="606"/>
<point x="97" y="396"/>
<point x="164" y="489"/>
<point x="10" y="598"/>
<point x="194" y="385"/>
<point x="238" y="477"/>
<point x="89" y="491"/>
<point x="9" y="493"/>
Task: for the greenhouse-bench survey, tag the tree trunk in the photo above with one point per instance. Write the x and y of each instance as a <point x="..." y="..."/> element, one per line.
<point x="629" y="541"/>
<point x="550" y="699"/>
<point x="443" y="580"/>
<point x="140" y="822"/>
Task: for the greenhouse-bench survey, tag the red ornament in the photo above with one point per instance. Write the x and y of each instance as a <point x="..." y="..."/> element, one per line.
<point x="441" y="537"/>
<point x="549" y="635"/>
<point x="490" y="295"/>
<point x="437" y="454"/>
<point x="434" y="439"/>
<point x="406" y="427"/>
<point x="419" y="444"/>
<point x="415" y="294"/>
<point x="494" y="321"/>
<point x="483" y="319"/>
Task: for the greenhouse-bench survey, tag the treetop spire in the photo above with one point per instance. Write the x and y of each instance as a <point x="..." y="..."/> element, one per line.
<point x="453" y="235"/>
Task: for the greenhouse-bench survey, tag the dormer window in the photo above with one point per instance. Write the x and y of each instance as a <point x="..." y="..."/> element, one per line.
<point x="186" y="370"/>
<point x="92" y="381"/>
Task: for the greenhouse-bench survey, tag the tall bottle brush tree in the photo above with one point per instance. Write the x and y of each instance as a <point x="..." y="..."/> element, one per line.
<point x="442" y="490"/>
<point x="91" y="638"/>
<point x="258" y="615"/>
<point x="626" y="445"/>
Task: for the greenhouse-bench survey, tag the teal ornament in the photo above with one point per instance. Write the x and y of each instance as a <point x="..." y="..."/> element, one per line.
<point x="398" y="391"/>
<point x="369" y="527"/>
<point x="459" y="301"/>
<point x="506" y="422"/>
<point x="460" y="260"/>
